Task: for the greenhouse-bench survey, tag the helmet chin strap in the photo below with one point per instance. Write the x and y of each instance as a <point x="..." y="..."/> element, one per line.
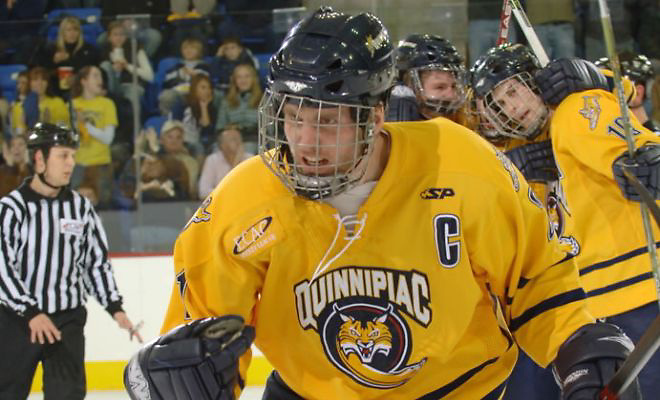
<point x="42" y="177"/>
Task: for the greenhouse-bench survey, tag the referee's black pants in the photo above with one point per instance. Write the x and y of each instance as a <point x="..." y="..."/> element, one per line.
<point x="62" y="363"/>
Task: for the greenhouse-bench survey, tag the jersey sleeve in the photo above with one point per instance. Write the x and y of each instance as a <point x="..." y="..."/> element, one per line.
<point x="588" y="127"/>
<point x="535" y="282"/>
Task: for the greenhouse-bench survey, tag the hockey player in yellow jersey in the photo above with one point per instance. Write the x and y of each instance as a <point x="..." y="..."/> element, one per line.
<point x="369" y="260"/>
<point x="587" y="144"/>
<point x="433" y="81"/>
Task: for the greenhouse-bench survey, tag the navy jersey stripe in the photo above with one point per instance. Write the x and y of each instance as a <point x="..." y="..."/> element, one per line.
<point x="548" y="304"/>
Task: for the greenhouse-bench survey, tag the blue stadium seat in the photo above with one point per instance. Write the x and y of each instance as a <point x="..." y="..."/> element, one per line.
<point x="8" y="75"/>
<point x="155" y="122"/>
<point x="263" y="59"/>
<point x="154" y="88"/>
<point x="90" y="18"/>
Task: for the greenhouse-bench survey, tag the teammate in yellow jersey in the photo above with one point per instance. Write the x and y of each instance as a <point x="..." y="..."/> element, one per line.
<point x="588" y="145"/>
<point x="433" y="81"/>
<point x="370" y="260"/>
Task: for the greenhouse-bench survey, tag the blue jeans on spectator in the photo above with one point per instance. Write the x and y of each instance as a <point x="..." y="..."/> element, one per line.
<point x="529" y="381"/>
<point x="558" y="39"/>
<point x="483" y="35"/>
<point x="634" y="323"/>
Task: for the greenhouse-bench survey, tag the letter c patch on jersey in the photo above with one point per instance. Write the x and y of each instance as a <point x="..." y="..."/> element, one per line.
<point x="447" y="227"/>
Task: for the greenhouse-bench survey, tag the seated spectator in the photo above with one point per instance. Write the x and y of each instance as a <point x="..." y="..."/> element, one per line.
<point x="16" y="166"/>
<point x="69" y="53"/>
<point x="40" y="104"/>
<point x="228" y="155"/>
<point x="148" y="16"/>
<point x="239" y="106"/>
<point x="163" y="178"/>
<point x="171" y="143"/>
<point x="95" y="120"/>
<point x="120" y="67"/>
<point x="22" y="89"/>
<point x="178" y="78"/>
<point x="230" y="54"/>
<point x="200" y="117"/>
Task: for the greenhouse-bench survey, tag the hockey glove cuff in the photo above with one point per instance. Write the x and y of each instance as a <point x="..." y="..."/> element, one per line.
<point x="566" y="76"/>
<point x="645" y="166"/>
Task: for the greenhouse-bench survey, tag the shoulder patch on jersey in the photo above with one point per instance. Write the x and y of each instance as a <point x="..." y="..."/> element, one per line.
<point x="202" y="214"/>
<point x="591" y="110"/>
<point x="508" y="166"/>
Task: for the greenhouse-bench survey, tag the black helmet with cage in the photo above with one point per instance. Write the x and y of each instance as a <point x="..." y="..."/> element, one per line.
<point x="637" y="67"/>
<point x="509" y="64"/>
<point x="328" y="60"/>
<point x="43" y="136"/>
<point x="418" y="53"/>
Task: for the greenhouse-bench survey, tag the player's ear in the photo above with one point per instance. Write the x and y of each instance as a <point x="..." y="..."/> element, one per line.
<point x="379" y="116"/>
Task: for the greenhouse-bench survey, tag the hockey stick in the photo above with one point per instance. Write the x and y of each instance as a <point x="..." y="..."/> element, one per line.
<point x="649" y="342"/>
<point x="505" y="18"/>
<point x="623" y="106"/>
<point x="528" y="30"/>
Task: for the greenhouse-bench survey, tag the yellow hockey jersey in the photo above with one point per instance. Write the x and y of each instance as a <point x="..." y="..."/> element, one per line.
<point x="405" y="304"/>
<point x="587" y="136"/>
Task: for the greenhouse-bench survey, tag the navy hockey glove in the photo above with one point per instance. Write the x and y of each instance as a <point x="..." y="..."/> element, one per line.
<point x="197" y="361"/>
<point x="402" y="105"/>
<point x="588" y="360"/>
<point x="566" y="76"/>
<point x="645" y="166"/>
<point x="536" y="161"/>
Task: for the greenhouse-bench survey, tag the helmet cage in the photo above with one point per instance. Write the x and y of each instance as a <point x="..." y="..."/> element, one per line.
<point x="440" y="106"/>
<point x="480" y="123"/>
<point x="508" y="125"/>
<point x="276" y="152"/>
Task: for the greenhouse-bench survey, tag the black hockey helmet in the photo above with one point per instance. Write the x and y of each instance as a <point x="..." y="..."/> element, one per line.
<point x="500" y="63"/>
<point x="326" y="57"/>
<point x="637" y="67"/>
<point x="423" y="50"/>
<point x="44" y="135"/>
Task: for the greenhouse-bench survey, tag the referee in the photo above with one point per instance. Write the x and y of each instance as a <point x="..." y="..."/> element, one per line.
<point x="53" y="253"/>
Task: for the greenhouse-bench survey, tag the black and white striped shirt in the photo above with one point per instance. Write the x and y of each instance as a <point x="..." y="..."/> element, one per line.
<point x="53" y="253"/>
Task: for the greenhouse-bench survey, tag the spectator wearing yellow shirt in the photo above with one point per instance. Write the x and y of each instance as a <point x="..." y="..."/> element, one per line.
<point x="95" y="120"/>
<point x="51" y="108"/>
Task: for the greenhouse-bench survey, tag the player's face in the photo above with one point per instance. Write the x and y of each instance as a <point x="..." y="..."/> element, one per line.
<point x="518" y="102"/>
<point x="438" y="85"/>
<point x="323" y="141"/>
<point x="59" y="165"/>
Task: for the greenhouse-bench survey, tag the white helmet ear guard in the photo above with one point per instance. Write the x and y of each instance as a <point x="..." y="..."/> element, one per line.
<point x="341" y="149"/>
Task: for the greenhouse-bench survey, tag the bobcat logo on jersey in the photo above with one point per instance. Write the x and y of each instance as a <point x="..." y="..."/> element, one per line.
<point x="358" y="313"/>
<point x="591" y="110"/>
<point x="201" y="215"/>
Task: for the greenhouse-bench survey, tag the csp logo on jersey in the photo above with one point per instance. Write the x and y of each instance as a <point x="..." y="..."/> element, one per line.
<point x="358" y="314"/>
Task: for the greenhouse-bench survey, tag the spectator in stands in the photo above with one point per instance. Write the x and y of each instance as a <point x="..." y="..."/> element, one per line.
<point x="553" y="22"/>
<point x="177" y="78"/>
<point x="229" y="153"/>
<point x="230" y="53"/>
<point x="149" y="14"/>
<point x="20" y="22"/>
<point x="69" y="53"/>
<point x="95" y="120"/>
<point x="200" y="117"/>
<point x="197" y="7"/>
<point x="483" y="27"/>
<point x="16" y="167"/>
<point x="22" y="89"/>
<point x="163" y="178"/>
<point x="119" y="66"/>
<point x="171" y="141"/>
<point x="239" y="106"/>
<point x="40" y="104"/>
